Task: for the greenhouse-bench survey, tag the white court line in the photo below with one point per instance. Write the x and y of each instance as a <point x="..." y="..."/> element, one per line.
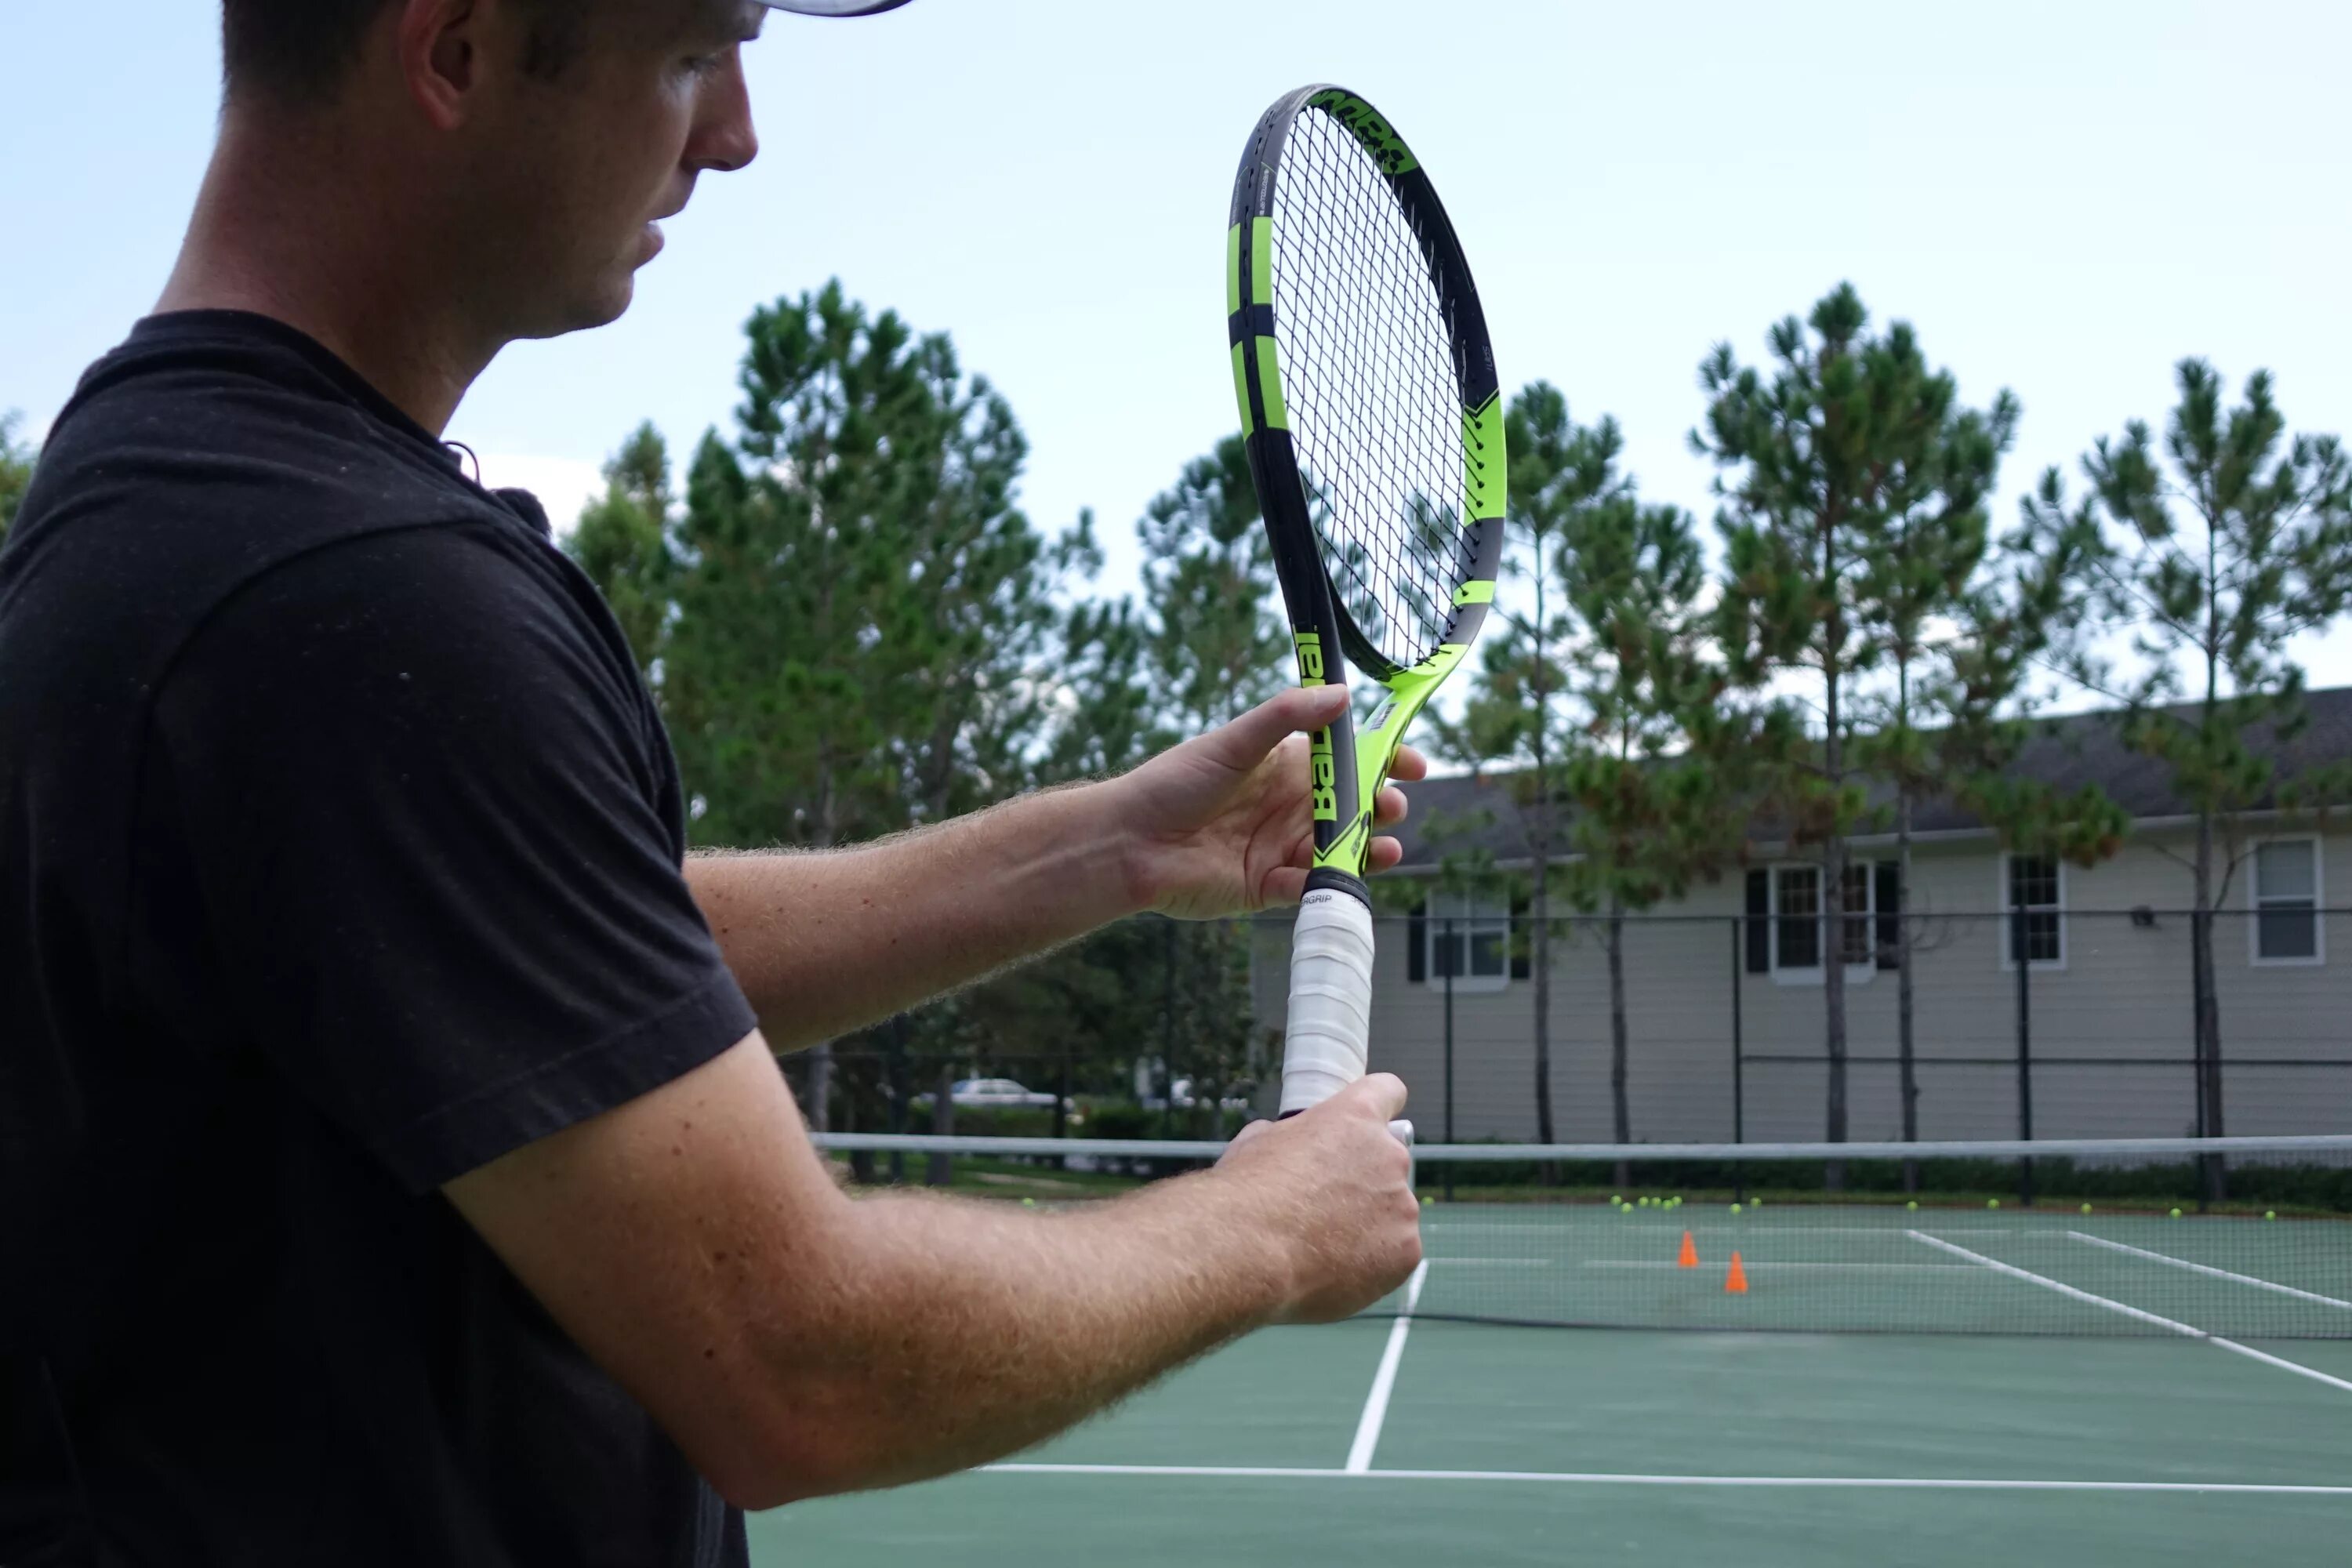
<point x="2185" y="1329"/>
<point x="1775" y="1267"/>
<point x="2216" y="1273"/>
<point x="1376" y="1404"/>
<point x="1498" y="1262"/>
<point x="1607" y="1478"/>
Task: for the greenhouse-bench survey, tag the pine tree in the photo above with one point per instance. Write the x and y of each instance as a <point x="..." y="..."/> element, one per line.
<point x="1519" y="712"/>
<point x="848" y="616"/>
<point x="2217" y="551"/>
<point x="1216" y="647"/>
<point x="1834" y="473"/>
<point x="1651" y="791"/>
<point x="15" y="472"/>
<point x="622" y="542"/>
<point x="1921" y="565"/>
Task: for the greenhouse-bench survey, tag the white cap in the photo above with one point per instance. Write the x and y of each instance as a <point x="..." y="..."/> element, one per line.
<point x="834" y="7"/>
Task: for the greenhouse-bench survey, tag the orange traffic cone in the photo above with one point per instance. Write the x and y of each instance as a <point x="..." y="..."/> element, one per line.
<point x="1736" y="1282"/>
<point x="1689" y="1259"/>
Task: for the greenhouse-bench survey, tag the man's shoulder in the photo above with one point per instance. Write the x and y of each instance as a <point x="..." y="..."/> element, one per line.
<point x="230" y="439"/>
<point x="191" y="467"/>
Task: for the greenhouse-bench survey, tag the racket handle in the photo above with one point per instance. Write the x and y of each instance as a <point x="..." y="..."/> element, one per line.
<point x="1328" y="1027"/>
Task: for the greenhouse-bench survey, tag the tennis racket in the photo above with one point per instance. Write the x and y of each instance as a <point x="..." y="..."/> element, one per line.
<point x="1374" y="424"/>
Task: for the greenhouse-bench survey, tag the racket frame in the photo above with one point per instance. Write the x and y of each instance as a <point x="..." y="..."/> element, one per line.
<point x="1348" y="766"/>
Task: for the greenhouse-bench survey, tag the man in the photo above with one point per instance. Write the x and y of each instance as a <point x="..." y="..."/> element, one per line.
<point x="393" y="1164"/>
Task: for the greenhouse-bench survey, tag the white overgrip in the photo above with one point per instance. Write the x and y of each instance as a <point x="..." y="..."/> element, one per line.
<point x="1327" y="1034"/>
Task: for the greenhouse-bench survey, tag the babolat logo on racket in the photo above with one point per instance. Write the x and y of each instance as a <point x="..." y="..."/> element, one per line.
<point x="1378" y="137"/>
<point x="1324" y="795"/>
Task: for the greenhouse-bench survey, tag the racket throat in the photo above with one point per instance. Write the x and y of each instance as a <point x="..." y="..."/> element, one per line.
<point x="1331" y="879"/>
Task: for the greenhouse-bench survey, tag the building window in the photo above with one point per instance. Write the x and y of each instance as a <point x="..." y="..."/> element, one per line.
<point x="2285" y="888"/>
<point x="2033" y="908"/>
<point x="1801" y="926"/>
<point x="1797" y="931"/>
<point x="1476" y="949"/>
<point x="1854" y="944"/>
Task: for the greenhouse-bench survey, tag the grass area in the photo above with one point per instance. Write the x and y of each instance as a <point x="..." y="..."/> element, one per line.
<point x="2059" y="1188"/>
<point x="981" y="1177"/>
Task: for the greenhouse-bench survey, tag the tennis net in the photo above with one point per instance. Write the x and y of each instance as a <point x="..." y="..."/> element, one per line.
<point x="2092" y="1236"/>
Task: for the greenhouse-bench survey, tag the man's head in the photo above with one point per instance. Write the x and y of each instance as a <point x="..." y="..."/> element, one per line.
<point x="517" y="154"/>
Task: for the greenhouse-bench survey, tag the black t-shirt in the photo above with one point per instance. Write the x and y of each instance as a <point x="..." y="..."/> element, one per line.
<point x="339" y="854"/>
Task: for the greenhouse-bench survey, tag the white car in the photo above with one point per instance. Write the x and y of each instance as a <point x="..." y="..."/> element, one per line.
<point x="997" y="1092"/>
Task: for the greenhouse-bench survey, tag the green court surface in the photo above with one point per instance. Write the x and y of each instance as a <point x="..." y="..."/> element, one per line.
<point x="1449" y="1442"/>
<point x="1883" y="1267"/>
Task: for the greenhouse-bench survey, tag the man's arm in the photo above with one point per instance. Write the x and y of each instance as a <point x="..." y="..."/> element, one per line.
<point x="825" y="943"/>
<point x="795" y="1341"/>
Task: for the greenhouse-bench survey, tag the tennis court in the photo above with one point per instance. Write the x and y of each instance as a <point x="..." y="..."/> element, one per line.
<point x="1945" y="1385"/>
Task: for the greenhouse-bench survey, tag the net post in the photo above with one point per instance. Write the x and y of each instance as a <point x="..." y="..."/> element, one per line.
<point x="895" y="1122"/>
<point x="1062" y="1102"/>
<point x="2021" y="950"/>
<point x="1447" y="948"/>
<point x="1167" y="1027"/>
<point x="1739" y="1050"/>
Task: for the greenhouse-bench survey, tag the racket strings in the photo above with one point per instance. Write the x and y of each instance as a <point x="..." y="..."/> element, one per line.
<point x="1375" y="403"/>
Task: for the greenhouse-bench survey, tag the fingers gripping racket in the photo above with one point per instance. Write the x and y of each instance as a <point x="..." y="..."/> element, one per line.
<point x="1374" y="426"/>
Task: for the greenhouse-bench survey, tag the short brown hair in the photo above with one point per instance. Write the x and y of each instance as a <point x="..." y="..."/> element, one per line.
<point x="298" y="51"/>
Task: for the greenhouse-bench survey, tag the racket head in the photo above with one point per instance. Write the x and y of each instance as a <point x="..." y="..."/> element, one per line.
<point x="1373" y="420"/>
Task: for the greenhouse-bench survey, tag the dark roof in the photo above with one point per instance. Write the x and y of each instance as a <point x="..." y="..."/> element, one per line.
<point x="1475" y="813"/>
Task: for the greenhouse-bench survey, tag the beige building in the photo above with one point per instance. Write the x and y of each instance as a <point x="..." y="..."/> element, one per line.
<point x="1725" y="1006"/>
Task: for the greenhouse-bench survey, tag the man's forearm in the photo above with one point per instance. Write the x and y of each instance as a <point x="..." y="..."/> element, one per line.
<point x="827" y="942"/>
<point x="959" y="1332"/>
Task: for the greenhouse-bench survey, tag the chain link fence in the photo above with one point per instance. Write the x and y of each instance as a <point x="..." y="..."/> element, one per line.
<point x="2032" y="1024"/>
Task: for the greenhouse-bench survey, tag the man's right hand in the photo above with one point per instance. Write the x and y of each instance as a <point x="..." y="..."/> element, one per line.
<point x="1334" y="1187"/>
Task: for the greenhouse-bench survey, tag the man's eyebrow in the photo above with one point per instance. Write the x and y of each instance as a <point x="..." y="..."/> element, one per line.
<point x="736" y="21"/>
<point x="741" y="20"/>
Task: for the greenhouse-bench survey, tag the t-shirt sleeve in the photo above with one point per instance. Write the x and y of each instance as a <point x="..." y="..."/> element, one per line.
<point x="424" y="807"/>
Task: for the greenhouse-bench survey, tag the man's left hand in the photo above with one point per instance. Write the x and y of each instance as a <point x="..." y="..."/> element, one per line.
<point x="1220" y="823"/>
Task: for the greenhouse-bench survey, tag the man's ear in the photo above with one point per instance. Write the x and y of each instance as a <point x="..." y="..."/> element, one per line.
<point x="440" y="51"/>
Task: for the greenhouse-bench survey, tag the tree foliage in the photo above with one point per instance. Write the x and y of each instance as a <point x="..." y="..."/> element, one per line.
<point x="622" y="542"/>
<point x="1518" y="714"/>
<point x="1653" y="782"/>
<point x="2215" y="552"/>
<point x="15" y="472"/>
<point x="1852" y="485"/>
<point x="1217" y="649"/>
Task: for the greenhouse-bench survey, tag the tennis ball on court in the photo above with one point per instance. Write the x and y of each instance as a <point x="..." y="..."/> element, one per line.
<point x="1734" y="1208"/>
<point x="1616" y="1199"/>
<point x="2270" y="1214"/>
<point x="1992" y="1203"/>
<point x="2176" y="1214"/>
<point x="1028" y="1203"/>
<point x="1913" y="1206"/>
<point x="1756" y="1203"/>
<point x="1426" y="1200"/>
<point x="2086" y="1208"/>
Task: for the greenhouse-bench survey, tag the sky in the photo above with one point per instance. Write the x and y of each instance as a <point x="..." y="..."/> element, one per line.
<point x="2065" y="199"/>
